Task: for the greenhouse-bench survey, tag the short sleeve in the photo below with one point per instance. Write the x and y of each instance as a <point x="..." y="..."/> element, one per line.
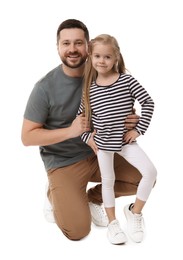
<point x="37" y="107"/>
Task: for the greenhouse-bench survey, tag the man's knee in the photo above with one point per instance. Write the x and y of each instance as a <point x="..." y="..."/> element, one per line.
<point x="74" y="228"/>
<point x="77" y="233"/>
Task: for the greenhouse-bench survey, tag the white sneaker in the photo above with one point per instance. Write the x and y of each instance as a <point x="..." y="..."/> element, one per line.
<point x="98" y="214"/>
<point x="115" y="234"/>
<point x="135" y="223"/>
<point x="48" y="210"/>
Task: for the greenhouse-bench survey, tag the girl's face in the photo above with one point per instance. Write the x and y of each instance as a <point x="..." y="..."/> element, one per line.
<point x="103" y="58"/>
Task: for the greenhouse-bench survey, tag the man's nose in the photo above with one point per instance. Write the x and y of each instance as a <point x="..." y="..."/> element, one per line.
<point x="72" y="47"/>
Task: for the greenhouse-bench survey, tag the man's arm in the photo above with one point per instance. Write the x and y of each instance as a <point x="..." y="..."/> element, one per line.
<point x="34" y="133"/>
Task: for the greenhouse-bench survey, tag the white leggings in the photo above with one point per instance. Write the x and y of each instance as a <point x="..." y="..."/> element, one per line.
<point x="136" y="157"/>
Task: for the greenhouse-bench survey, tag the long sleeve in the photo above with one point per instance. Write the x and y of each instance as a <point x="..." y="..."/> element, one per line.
<point x="146" y="102"/>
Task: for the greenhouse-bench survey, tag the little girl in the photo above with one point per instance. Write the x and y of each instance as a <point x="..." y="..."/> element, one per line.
<point x="109" y="94"/>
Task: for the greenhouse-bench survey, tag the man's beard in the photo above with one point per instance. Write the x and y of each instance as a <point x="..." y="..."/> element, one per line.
<point x="72" y="65"/>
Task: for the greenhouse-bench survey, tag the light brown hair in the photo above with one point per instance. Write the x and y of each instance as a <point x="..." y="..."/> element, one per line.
<point x="90" y="74"/>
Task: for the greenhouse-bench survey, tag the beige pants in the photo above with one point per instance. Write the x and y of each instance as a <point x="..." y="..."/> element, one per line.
<point x="69" y="198"/>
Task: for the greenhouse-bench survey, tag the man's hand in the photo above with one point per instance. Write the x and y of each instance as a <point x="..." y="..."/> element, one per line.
<point x="79" y="125"/>
<point x="131" y="121"/>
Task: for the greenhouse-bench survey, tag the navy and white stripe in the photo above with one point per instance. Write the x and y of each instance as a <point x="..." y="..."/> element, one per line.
<point x="110" y="106"/>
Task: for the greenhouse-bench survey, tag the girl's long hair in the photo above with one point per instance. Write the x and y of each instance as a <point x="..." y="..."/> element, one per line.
<point x="90" y="74"/>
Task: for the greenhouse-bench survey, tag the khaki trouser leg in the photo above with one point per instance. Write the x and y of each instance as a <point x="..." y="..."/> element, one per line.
<point x="67" y="192"/>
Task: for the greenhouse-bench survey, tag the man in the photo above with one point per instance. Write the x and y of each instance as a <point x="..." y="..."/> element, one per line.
<point x="50" y="122"/>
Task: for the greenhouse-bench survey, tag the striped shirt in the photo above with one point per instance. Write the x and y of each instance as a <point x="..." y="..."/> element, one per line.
<point x="110" y="106"/>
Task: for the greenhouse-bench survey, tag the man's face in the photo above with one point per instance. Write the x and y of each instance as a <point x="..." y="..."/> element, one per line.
<point x="73" y="47"/>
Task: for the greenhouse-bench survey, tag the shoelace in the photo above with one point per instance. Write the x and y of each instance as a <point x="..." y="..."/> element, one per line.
<point x="116" y="228"/>
<point x="100" y="210"/>
<point x="137" y="223"/>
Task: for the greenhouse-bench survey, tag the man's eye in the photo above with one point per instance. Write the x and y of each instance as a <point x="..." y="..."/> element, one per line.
<point x="79" y="43"/>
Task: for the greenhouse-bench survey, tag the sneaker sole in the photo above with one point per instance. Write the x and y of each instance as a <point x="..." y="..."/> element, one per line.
<point x="122" y="242"/>
<point x="98" y="224"/>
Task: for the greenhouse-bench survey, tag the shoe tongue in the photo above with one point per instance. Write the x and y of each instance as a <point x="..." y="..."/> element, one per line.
<point x="114" y="221"/>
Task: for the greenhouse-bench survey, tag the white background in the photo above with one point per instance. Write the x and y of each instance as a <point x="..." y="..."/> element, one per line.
<point x="150" y="36"/>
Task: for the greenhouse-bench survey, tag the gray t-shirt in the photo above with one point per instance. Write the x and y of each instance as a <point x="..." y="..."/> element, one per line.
<point x="54" y="102"/>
